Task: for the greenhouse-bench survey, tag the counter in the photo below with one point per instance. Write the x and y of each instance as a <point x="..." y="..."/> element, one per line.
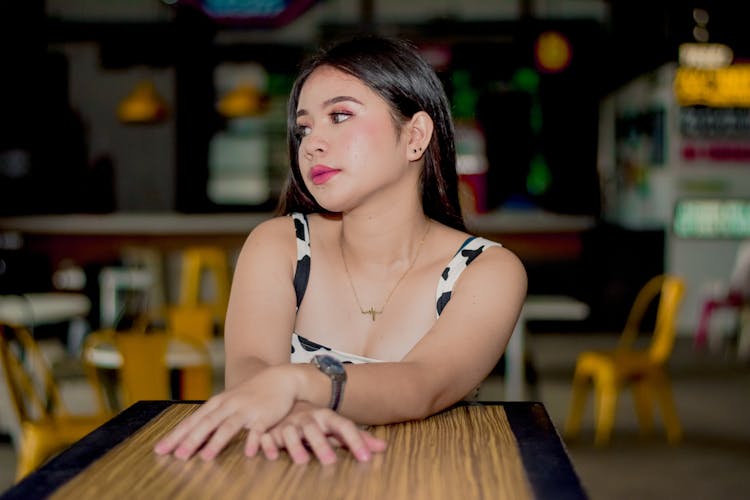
<point x="533" y="235"/>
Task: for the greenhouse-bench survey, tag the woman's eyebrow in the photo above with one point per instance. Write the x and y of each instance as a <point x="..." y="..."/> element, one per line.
<point x="332" y="100"/>
<point x="341" y="98"/>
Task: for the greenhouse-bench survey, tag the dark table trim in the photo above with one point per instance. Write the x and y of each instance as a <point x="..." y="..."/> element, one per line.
<point x="65" y="466"/>
<point x="545" y="459"/>
<point x="544" y="456"/>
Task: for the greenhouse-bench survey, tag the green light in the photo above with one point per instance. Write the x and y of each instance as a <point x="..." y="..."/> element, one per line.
<point x="711" y="218"/>
<point x="539" y="178"/>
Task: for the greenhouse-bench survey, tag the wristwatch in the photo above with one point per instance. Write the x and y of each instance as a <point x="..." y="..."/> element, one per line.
<point x="335" y="371"/>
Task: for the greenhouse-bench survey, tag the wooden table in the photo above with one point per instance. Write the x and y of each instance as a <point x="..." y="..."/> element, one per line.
<point x="489" y="450"/>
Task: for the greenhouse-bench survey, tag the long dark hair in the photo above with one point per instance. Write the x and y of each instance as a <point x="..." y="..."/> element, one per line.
<point x="394" y="69"/>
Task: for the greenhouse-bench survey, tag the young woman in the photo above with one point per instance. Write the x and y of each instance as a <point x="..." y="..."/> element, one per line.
<point x="372" y="278"/>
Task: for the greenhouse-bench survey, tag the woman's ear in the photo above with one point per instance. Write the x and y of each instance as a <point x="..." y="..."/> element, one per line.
<point x="419" y="130"/>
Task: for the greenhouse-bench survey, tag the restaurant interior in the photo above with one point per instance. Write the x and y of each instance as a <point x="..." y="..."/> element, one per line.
<point x="602" y="141"/>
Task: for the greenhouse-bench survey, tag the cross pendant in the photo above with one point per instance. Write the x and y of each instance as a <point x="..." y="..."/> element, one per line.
<point x="372" y="312"/>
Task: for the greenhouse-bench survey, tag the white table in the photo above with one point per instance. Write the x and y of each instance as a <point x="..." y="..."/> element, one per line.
<point x="31" y="309"/>
<point x="536" y="307"/>
<point x="179" y="354"/>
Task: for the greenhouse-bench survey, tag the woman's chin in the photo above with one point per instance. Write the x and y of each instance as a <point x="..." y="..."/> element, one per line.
<point x="332" y="205"/>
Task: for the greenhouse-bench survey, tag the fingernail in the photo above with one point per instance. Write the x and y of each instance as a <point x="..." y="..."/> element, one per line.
<point x="182" y="453"/>
<point x="207" y="454"/>
<point x="363" y="455"/>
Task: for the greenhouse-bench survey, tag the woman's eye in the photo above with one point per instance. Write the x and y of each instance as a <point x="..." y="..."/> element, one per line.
<point x="339" y="117"/>
<point x="302" y="130"/>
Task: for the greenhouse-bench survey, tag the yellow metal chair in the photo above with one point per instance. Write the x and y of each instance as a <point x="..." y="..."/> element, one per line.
<point x="46" y="426"/>
<point x="644" y="370"/>
<point x="213" y="260"/>
<point x="192" y="322"/>
<point x="194" y="325"/>
<point x="144" y="373"/>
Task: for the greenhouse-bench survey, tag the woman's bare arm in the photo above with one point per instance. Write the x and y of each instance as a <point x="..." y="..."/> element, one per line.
<point x="262" y="305"/>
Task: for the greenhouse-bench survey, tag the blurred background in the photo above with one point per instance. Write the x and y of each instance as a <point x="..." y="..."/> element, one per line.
<point x="603" y="141"/>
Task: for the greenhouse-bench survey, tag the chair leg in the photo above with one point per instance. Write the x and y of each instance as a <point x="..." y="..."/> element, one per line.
<point x="577" y="405"/>
<point x="28" y="459"/>
<point x="606" y="404"/>
<point x="669" y="411"/>
<point x="643" y="409"/>
<point x="36" y="447"/>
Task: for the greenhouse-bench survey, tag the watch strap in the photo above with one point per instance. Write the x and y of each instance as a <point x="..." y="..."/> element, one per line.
<point x="322" y="362"/>
<point x="337" y="390"/>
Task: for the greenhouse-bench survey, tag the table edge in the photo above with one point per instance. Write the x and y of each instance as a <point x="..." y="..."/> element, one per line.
<point x="67" y="464"/>
<point x="542" y="450"/>
<point x="540" y="446"/>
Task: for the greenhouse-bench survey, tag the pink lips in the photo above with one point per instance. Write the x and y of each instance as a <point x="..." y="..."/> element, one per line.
<point x="320" y="174"/>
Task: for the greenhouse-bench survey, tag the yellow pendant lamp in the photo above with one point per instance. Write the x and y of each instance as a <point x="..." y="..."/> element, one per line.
<point x="142" y="105"/>
<point x="243" y="100"/>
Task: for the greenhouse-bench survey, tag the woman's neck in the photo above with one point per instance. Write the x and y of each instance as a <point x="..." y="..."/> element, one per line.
<point x="383" y="238"/>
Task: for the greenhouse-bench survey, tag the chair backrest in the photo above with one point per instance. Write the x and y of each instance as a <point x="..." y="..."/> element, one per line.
<point x="32" y="388"/>
<point x="192" y="322"/>
<point x="144" y="374"/>
<point x="670" y="290"/>
<point x="208" y="260"/>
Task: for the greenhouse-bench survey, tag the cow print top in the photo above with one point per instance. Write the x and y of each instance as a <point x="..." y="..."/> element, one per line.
<point x="303" y="349"/>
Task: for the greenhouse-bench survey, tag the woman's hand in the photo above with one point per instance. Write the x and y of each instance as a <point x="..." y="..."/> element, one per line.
<point x="256" y="405"/>
<point x="319" y="429"/>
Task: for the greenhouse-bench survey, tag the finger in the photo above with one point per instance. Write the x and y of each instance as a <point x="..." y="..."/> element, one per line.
<point x="319" y="444"/>
<point x="252" y="443"/>
<point x="168" y="443"/>
<point x="373" y="443"/>
<point x="334" y="441"/>
<point x="207" y="412"/>
<point x="199" y="434"/>
<point x="221" y="437"/>
<point x="294" y="446"/>
<point x="350" y="436"/>
<point x="270" y="450"/>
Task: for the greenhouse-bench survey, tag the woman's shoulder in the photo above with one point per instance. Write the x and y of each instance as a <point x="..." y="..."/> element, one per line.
<point x="273" y="236"/>
<point x="486" y="259"/>
<point x="273" y="228"/>
<point x="281" y="230"/>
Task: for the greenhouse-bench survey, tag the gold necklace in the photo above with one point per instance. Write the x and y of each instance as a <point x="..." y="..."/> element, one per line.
<point x="372" y="311"/>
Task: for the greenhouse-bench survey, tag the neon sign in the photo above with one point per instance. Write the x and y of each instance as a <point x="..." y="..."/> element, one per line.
<point x="721" y="87"/>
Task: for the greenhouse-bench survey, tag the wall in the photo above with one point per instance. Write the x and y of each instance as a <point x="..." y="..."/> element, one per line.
<point x="143" y="157"/>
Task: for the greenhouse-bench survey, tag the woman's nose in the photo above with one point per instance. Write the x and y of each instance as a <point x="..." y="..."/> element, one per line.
<point x="314" y="144"/>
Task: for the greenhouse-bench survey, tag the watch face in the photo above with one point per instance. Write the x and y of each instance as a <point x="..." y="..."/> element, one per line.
<point x="330" y="365"/>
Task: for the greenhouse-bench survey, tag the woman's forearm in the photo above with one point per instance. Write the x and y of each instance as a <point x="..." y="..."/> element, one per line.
<point x="239" y="370"/>
<point x="379" y="393"/>
<point x="375" y="393"/>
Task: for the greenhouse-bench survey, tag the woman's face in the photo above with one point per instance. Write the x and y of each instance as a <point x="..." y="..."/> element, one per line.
<point x="350" y="148"/>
